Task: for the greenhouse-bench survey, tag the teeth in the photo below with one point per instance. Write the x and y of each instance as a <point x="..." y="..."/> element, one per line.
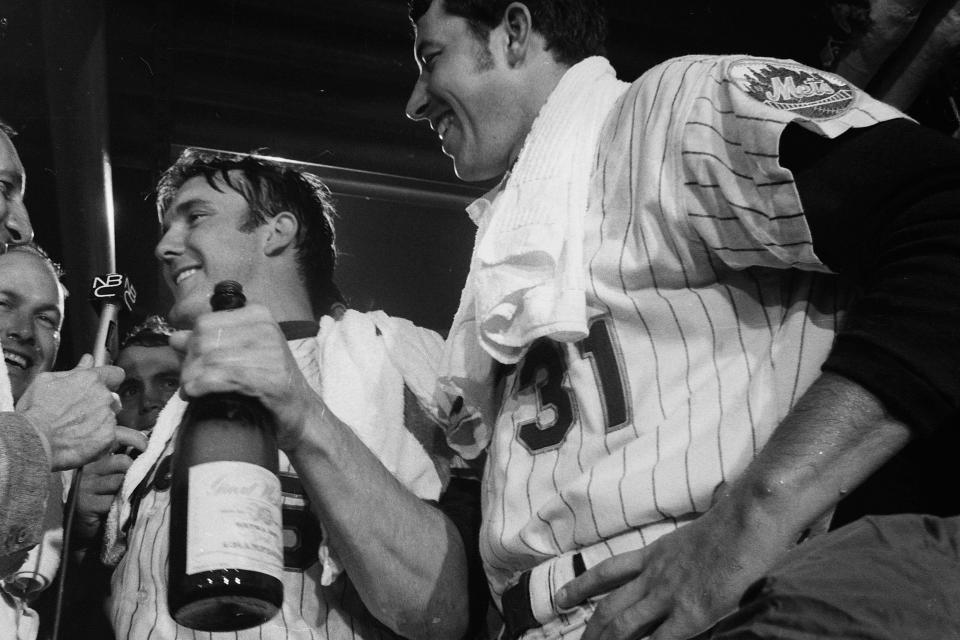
<point x="444" y="125"/>
<point x="13" y="358"/>
<point x="183" y="275"/>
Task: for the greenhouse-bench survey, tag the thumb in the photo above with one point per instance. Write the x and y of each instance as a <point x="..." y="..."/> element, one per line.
<point x="179" y="341"/>
<point x="86" y="362"/>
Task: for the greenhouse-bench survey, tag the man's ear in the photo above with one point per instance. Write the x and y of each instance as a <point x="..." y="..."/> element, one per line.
<point x="281" y="233"/>
<point x="518" y="27"/>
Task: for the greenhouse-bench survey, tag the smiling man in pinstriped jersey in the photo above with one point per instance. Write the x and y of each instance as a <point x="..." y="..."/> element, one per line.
<point x="681" y="387"/>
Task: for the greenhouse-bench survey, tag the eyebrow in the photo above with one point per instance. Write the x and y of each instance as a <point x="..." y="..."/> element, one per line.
<point x="186" y="205"/>
<point x="181" y="209"/>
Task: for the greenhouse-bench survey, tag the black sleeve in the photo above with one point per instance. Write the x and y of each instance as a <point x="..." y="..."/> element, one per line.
<point x="883" y="205"/>
<point x="461" y="503"/>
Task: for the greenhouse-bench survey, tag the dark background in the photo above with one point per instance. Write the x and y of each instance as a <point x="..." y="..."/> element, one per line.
<point x="104" y="93"/>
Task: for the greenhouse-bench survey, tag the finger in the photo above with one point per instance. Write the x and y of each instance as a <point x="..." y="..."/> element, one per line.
<point x="674" y="628"/>
<point x="99" y="504"/>
<point x="179" y="341"/>
<point x="86" y="362"/>
<point x="111" y="376"/>
<point x="107" y="465"/>
<point x="103" y="484"/>
<point x="212" y="380"/>
<point x="607" y="575"/>
<point x="131" y="438"/>
<point x="606" y="616"/>
<point x="109" y="485"/>
<point x="625" y="620"/>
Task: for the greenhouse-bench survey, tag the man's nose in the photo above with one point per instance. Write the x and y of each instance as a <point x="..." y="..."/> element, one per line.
<point x="20" y="328"/>
<point x="170" y="245"/>
<point x="418" y="105"/>
<point x="151" y="399"/>
<point x="16" y="227"/>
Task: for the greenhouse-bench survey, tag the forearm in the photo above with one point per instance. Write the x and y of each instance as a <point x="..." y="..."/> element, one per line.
<point x="404" y="556"/>
<point x="835" y="437"/>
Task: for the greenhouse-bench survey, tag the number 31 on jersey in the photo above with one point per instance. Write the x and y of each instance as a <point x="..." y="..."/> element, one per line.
<point x="543" y="376"/>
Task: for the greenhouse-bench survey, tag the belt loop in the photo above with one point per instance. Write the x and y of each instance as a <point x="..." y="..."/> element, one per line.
<point x="517" y="601"/>
<point x="517" y="614"/>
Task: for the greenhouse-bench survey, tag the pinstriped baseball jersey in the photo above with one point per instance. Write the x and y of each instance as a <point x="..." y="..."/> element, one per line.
<point x="138" y="603"/>
<point x="710" y="315"/>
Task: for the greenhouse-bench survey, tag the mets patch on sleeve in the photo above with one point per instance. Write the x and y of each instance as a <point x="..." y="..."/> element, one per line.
<point x="808" y="92"/>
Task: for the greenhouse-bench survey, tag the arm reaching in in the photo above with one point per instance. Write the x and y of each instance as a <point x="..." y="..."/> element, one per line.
<point x="99" y="483"/>
<point x="73" y="411"/>
<point x="682" y="583"/>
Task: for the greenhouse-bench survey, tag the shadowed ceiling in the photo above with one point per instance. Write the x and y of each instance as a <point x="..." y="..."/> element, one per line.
<point x="312" y="80"/>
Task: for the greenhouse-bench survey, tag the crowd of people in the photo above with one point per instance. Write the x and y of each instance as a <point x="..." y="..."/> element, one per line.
<point x="703" y="307"/>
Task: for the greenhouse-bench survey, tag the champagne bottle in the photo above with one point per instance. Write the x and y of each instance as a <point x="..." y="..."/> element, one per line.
<point x="226" y="541"/>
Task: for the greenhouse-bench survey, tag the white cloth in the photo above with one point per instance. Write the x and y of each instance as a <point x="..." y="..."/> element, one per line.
<point x="526" y="276"/>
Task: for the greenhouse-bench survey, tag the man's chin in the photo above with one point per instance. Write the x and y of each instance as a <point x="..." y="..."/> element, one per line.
<point x="472" y="173"/>
<point x="20" y="379"/>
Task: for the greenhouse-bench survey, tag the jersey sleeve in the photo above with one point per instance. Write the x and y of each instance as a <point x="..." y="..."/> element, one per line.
<point x="740" y="201"/>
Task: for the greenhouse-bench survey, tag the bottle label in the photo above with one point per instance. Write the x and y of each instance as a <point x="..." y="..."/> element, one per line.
<point x="234" y="519"/>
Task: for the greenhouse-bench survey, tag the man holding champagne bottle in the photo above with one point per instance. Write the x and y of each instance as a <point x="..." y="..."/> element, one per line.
<point x="366" y="553"/>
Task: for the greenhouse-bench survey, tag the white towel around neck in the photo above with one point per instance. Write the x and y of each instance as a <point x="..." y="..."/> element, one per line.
<point x="526" y="278"/>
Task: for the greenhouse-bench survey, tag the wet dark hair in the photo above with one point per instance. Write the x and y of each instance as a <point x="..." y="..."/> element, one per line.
<point x="573" y="29"/>
<point x="154" y="331"/>
<point x="269" y="188"/>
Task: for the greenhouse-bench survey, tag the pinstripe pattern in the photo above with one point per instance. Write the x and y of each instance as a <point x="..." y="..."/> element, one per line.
<point x="138" y="606"/>
<point x="701" y="274"/>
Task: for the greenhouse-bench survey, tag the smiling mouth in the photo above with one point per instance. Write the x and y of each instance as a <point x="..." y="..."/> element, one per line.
<point x="16" y="360"/>
<point x="183" y="275"/>
<point x="444" y="124"/>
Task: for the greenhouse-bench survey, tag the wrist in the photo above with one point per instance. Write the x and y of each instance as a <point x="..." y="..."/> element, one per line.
<point x="766" y="511"/>
<point x="307" y="429"/>
<point x="44" y="442"/>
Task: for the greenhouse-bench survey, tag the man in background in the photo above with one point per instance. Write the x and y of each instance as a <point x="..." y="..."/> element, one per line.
<point x="152" y="371"/>
<point x="151" y="376"/>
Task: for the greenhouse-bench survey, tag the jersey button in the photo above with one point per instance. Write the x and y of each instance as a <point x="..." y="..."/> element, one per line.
<point x="142" y="596"/>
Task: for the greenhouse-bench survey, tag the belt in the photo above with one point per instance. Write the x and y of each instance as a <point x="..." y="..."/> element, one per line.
<point x="529" y="603"/>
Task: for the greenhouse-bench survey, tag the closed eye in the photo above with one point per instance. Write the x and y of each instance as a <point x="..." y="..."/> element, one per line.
<point x="50" y="321"/>
<point x="429" y="60"/>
